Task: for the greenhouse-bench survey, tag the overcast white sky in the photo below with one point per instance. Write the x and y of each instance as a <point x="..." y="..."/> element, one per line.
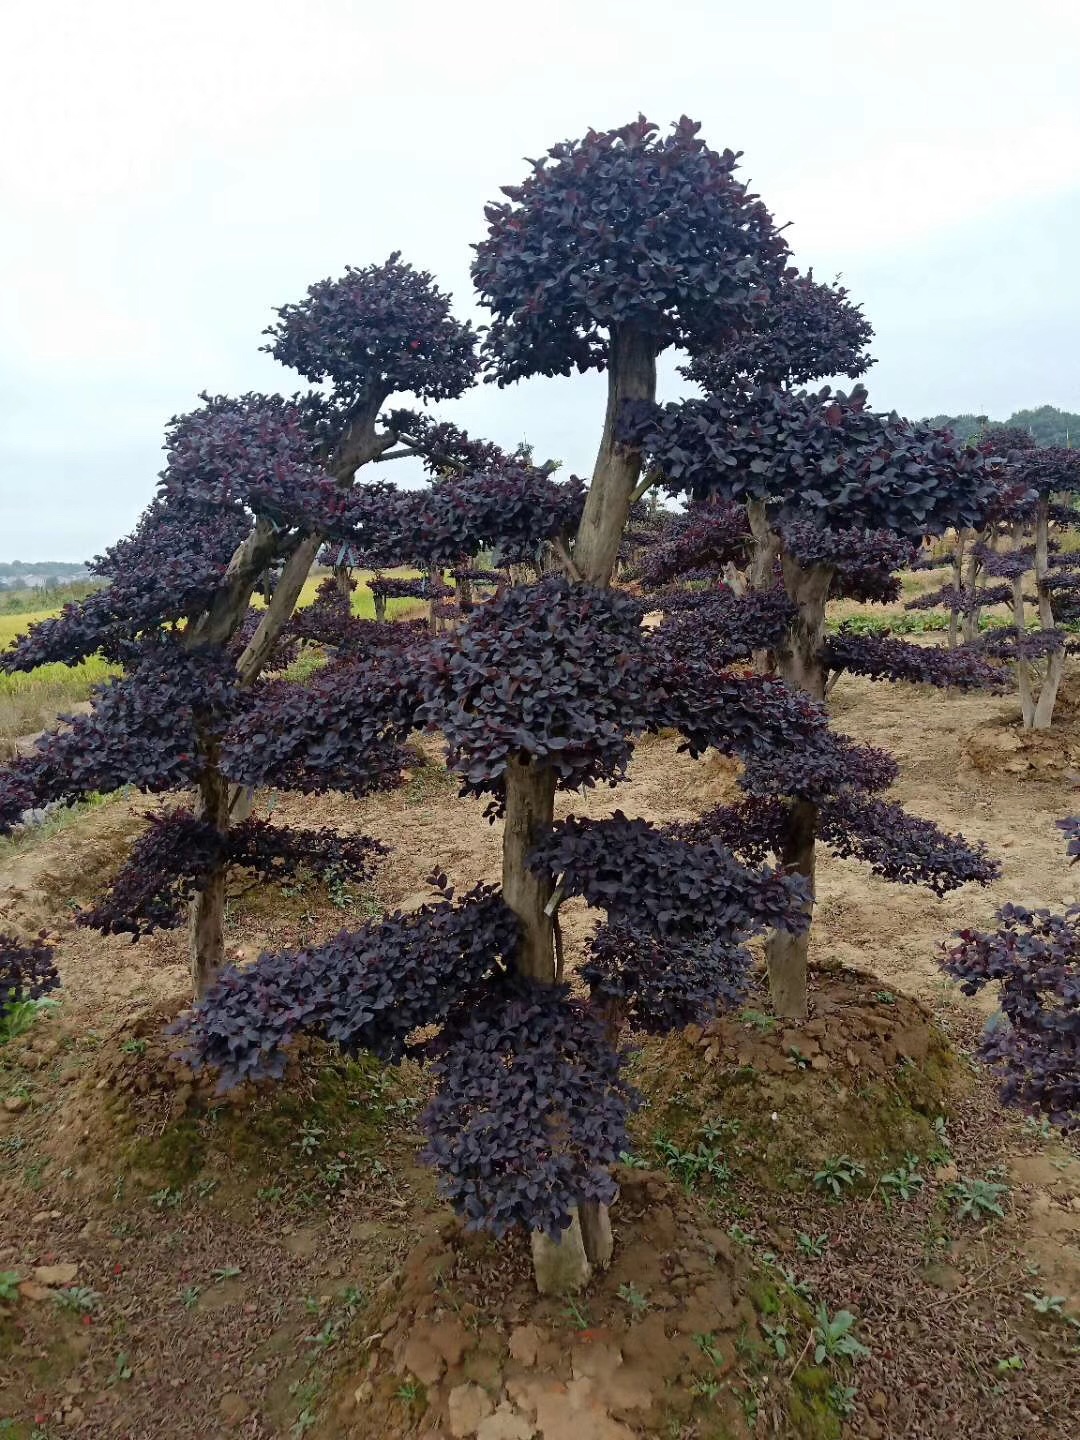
<point x="169" y="172"/>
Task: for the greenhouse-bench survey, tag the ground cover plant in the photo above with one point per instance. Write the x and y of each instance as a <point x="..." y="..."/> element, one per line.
<point x="1033" y="1043"/>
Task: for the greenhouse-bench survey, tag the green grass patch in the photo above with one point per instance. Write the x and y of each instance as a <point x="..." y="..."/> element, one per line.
<point x="363" y="602"/>
<point x="31" y="700"/>
<point x="328" y="1122"/>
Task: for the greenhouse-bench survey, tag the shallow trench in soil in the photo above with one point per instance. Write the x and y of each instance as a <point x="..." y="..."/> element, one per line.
<point x="243" y="1258"/>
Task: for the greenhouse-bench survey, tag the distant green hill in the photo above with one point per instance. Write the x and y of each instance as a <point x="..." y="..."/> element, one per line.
<point x="1047" y="424"/>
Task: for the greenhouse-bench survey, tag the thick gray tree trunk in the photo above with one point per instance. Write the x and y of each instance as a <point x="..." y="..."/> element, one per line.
<point x="631" y="376"/>
<point x="762" y="568"/>
<point x="530" y="810"/>
<point x="766" y="546"/>
<point x="800" y="667"/>
<point x="955" y="617"/>
<point x="562" y="1265"/>
<point x="566" y="1264"/>
<point x="1023" y="667"/>
<point x="206" y="925"/>
<point x="279" y="611"/>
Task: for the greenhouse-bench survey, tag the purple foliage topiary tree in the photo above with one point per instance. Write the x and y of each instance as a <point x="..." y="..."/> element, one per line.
<point x="249" y="483"/>
<point x="837" y="496"/>
<point x="616" y="247"/>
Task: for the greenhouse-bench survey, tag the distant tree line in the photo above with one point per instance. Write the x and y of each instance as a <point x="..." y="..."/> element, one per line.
<point x="68" y="569"/>
<point x="1047" y="425"/>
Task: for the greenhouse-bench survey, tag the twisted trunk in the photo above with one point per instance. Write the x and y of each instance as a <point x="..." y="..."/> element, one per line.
<point x="787" y="954"/>
<point x="955" y="617"/>
<point x="219" y="802"/>
<point x="1023" y="666"/>
<point x="800" y="667"/>
<point x="1043" y="715"/>
<point x="762" y="565"/>
<point x="566" y="1264"/>
<point x="530" y="810"/>
<point x="559" y="1266"/>
<point x="631" y="376"/>
<point x="766" y="546"/>
<point x="206" y="925"/>
<point x="280" y="609"/>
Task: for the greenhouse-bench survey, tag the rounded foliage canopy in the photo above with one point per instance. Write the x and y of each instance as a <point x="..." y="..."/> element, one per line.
<point x="807" y="331"/>
<point x="825" y="457"/>
<point x="623" y="228"/>
<point x="375" y="331"/>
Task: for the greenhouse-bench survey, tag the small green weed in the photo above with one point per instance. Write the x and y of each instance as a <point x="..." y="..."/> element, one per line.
<point x="632" y="1161"/>
<point x="1045" y="1304"/>
<point x="693" y="1165"/>
<point x="903" y="1182"/>
<point x="834" y="1338"/>
<point x="18" y="1017"/>
<point x="777" y="1336"/>
<point x="311" y="1138"/>
<point x="167" y="1199"/>
<point x="706" y="1343"/>
<point x="121" y="1368"/>
<point x="975" y="1199"/>
<point x="839" y="1174"/>
<point x="1041" y="1128"/>
<point x="707" y="1389"/>
<point x="813" y="1246"/>
<point x="634" y="1298"/>
<point x="841" y="1399"/>
<point x="79" y="1299"/>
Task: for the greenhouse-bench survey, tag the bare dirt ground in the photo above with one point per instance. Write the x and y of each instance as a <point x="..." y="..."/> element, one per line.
<point x="229" y="1272"/>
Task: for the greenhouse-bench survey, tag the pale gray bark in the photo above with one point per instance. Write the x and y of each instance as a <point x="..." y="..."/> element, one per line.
<point x="800" y="667"/>
<point x="631" y="376"/>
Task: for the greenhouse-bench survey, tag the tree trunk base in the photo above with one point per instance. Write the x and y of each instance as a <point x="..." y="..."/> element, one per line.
<point x="206" y="937"/>
<point x="561" y="1266"/>
<point x="530" y="802"/>
<point x="596" y="1233"/>
<point x="786" y="956"/>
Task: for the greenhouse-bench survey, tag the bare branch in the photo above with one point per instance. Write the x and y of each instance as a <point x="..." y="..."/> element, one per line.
<point x="565" y="561"/>
<point x="644" y="485"/>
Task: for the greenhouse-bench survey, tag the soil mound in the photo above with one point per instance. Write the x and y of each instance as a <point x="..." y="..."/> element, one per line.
<point x="464" y="1347"/>
<point x="866" y="1075"/>
<point x="1001" y="745"/>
